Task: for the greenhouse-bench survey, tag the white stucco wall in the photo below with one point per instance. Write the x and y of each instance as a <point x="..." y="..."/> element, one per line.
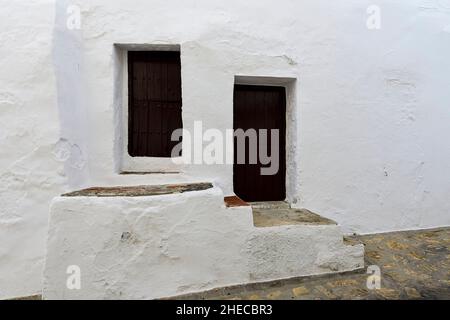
<point x="31" y="166"/>
<point x="371" y="105"/>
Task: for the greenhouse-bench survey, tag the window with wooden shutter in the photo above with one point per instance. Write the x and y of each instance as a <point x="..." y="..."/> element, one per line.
<point x="154" y="93"/>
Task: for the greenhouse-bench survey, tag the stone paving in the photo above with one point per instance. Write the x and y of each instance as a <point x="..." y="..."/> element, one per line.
<point x="414" y="265"/>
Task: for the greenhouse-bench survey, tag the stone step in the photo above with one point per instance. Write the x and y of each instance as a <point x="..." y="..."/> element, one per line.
<point x="281" y="217"/>
<point x="270" y="205"/>
<point x="165" y="240"/>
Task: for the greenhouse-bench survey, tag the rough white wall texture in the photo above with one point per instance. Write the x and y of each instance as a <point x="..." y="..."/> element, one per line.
<point x="31" y="167"/>
<point x="160" y="246"/>
<point x="371" y="105"/>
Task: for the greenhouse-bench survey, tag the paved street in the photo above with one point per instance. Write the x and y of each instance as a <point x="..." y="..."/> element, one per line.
<point x="414" y="265"/>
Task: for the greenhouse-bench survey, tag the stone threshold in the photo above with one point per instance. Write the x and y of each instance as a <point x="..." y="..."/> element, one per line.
<point x="282" y="217"/>
<point x="278" y="213"/>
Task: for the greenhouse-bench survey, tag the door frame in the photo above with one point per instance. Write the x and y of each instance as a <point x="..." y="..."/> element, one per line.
<point x="292" y="116"/>
<point x="123" y="162"/>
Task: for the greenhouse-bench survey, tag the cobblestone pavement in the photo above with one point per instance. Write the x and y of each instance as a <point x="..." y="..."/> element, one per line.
<point x="414" y="265"/>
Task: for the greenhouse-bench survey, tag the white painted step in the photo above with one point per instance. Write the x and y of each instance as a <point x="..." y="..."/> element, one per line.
<point x="146" y="247"/>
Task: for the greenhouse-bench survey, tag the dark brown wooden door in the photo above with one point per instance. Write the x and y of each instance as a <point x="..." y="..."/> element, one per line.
<point x="260" y="107"/>
<point x="154" y="96"/>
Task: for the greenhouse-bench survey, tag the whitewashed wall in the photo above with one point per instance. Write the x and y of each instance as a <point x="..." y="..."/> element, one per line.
<point x="31" y="167"/>
<point x="372" y="106"/>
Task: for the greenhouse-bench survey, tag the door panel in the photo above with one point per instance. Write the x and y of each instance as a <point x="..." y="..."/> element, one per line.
<point x="260" y="107"/>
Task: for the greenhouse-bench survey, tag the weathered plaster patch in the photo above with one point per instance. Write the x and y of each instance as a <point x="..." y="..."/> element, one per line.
<point x="65" y="151"/>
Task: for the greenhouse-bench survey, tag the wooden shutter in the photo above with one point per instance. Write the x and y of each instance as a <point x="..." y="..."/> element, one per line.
<point x="154" y="102"/>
